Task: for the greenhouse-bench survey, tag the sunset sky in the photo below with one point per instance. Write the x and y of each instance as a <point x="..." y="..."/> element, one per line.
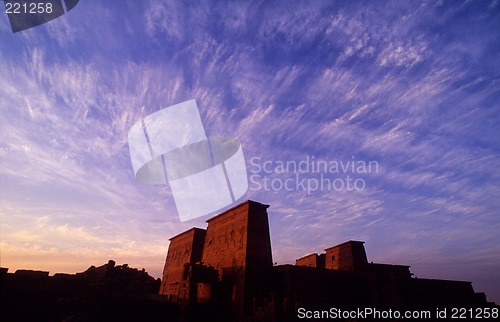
<point x="413" y="86"/>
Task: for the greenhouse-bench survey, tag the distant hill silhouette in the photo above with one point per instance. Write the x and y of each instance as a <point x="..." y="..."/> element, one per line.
<point x="106" y="293"/>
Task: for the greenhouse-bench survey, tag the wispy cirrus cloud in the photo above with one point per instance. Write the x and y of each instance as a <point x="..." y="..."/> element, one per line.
<point x="413" y="86"/>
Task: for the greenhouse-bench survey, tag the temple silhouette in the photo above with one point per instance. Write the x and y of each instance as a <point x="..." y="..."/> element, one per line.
<point x="226" y="273"/>
<point x="228" y="267"/>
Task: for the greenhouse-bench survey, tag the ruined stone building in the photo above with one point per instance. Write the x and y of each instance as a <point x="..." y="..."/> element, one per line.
<point x="229" y="265"/>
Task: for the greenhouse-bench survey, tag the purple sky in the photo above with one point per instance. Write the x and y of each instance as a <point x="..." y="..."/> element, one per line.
<point x="412" y="86"/>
